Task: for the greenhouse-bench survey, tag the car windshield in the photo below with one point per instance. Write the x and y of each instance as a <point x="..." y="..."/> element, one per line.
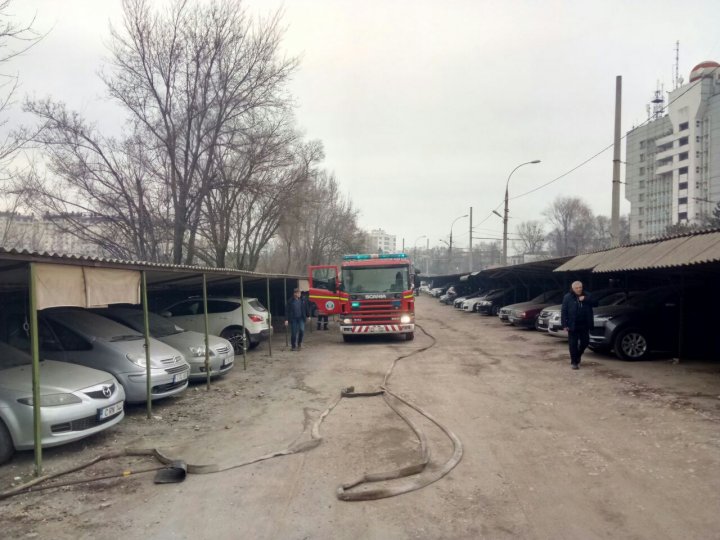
<point x="612" y="299"/>
<point x="12" y="357"/>
<point x="547" y="296"/>
<point x="376" y="279"/>
<point x="159" y="326"/>
<point x="651" y="297"/>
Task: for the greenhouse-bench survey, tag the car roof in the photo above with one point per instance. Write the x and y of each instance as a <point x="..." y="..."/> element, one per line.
<point x="88" y="323"/>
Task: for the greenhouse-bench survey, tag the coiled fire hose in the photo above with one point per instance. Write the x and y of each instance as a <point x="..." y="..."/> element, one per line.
<point x="409" y="477"/>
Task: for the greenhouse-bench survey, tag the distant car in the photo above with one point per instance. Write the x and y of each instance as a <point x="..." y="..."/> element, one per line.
<point x="473" y="304"/>
<point x="458" y="302"/>
<point x="437" y="292"/>
<point x="190" y="344"/>
<point x="647" y="322"/>
<point x="75" y="402"/>
<point x="549" y="318"/>
<point x="81" y="337"/>
<point x="491" y="303"/>
<point x="525" y="313"/>
<point x="224" y="319"/>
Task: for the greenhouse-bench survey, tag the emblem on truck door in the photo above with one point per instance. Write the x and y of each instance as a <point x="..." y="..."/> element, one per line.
<point x="329" y="305"/>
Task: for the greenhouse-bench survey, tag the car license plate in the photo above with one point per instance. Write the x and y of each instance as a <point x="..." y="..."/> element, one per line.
<point x="112" y="410"/>
<point x="180" y="376"/>
<point x="228" y="361"/>
<point x="375" y="329"/>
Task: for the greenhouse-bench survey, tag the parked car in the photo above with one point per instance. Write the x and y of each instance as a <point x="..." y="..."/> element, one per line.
<point x="75" y="402"/>
<point x="646" y="322"/>
<point x="451" y="294"/>
<point x="458" y="302"/>
<point x="473" y="304"/>
<point x="525" y="313"/>
<point x="437" y="292"/>
<point x="190" y="344"/>
<point x="491" y="303"/>
<point x="81" y="337"/>
<point x="549" y="318"/>
<point x="224" y="319"/>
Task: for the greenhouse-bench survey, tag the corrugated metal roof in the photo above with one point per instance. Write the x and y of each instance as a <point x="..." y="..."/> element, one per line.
<point x="693" y="248"/>
<point x="61" y="258"/>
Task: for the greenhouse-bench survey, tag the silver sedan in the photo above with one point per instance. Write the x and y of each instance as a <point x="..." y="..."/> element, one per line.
<point x="76" y="402"/>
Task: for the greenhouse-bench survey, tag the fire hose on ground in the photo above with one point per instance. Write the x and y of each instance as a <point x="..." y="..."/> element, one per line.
<point x="408" y="478"/>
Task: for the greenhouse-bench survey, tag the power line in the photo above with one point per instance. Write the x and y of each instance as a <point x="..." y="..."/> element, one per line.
<point x="588" y="160"/>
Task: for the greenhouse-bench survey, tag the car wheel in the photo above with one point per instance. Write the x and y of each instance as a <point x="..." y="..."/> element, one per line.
<point x="6" y="445"/>
<point x="496" y="311"/>
<point x="409" y="336"/>
<point x="632" y="344"/>
<point x="237" y="337"/>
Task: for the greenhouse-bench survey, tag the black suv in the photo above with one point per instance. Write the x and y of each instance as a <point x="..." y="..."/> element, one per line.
<point x="648" y="321"/>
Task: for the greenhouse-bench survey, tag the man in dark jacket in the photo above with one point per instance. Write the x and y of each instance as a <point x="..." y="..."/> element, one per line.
<point x="295" y="314"/>
<point x="576" y="317"/>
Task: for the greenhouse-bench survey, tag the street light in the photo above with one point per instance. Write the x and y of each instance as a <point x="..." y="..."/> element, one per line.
<point x="450" y="244"/>
<point x="505" y="216"/>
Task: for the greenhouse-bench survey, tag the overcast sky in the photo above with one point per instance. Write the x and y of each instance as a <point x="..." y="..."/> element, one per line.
<point x="424" y="107"/>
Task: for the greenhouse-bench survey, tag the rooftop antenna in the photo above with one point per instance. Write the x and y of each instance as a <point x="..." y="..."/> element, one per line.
<point x="677" y="81"/>
<point x="658" y="102"/>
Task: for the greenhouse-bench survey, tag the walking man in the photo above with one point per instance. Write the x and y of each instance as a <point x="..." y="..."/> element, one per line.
<point x="295" y="315"/>
<point x="576" y="317"/>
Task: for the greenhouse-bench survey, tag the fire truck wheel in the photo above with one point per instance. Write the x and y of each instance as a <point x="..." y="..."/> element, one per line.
<point x="409" y="336"/>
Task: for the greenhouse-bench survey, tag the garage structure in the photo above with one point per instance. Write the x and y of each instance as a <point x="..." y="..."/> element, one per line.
<point x="688" y="262"/>
<point x="44" y="280"/>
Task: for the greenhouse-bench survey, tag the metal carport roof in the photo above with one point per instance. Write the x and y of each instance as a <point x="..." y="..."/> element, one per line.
<point x="689" y="249"/>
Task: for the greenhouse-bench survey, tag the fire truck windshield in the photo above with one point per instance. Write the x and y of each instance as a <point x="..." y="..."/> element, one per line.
<point x="375" y="279"/>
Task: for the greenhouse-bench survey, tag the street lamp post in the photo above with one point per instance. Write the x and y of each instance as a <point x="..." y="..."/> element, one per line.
<point x="450" y="244"/>
<point x="505" y="214"/>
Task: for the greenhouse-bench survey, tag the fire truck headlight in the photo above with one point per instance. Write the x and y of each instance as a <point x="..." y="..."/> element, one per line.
<point x="347" y="321"/>
<point x="405" y="319"/>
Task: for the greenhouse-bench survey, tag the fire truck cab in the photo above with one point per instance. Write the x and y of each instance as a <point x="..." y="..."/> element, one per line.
<point x="370" y="293"/>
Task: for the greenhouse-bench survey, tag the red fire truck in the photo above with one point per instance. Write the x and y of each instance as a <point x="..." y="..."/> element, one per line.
<point x="370" y="293"/>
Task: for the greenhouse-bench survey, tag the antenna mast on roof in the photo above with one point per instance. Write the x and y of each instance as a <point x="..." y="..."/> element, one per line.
<point x="658" y="102"/>
<point x="677" y="81"/>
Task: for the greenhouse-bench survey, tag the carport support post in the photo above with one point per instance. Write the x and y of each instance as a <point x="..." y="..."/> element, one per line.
<point x="267" y="281"/>
<point x="146" y="329"/>
<point x="242" y="313"/>
<point x="35" y="351"/>
<point x="285" y="300"/>
<point x="207" y="344"/>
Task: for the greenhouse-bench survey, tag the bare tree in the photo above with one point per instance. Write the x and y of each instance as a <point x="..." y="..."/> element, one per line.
<point x="15" y="39"/>
<point x="99" y="178"/>
<point x="319" y="230"/>
<point x="572" y="224"/>
<point x="531" y="235"/>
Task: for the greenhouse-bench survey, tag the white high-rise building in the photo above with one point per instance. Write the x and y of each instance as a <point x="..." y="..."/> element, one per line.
<point x="672" y="172"/>
<point x="382" y="242"/>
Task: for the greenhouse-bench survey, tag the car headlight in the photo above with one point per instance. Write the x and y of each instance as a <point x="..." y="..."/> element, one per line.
<point x="53" y="400"/>
<point x="347" y="321"/>
<point x="200" y="351"/>
<point x="405" y="319"/>
<point x="137" y="359"/>
<point x="604" y="318"/>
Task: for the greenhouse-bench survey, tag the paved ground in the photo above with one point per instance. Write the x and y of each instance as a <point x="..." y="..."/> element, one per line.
<point x="614" y="450"/>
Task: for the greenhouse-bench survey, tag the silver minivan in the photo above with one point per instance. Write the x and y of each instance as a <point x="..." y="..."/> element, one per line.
<point x="81" y="337"/>
<point x="191" y="344"/>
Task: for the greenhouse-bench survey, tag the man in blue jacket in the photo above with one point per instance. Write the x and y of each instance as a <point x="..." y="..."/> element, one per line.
<point x="576" y="317"/>
<point x="295" y="314"/>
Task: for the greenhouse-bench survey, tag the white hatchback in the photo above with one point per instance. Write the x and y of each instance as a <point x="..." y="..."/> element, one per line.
<point x="224" y="319"/>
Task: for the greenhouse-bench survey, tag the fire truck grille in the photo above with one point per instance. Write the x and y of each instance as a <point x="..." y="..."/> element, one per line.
<point x="376" y="312"/>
